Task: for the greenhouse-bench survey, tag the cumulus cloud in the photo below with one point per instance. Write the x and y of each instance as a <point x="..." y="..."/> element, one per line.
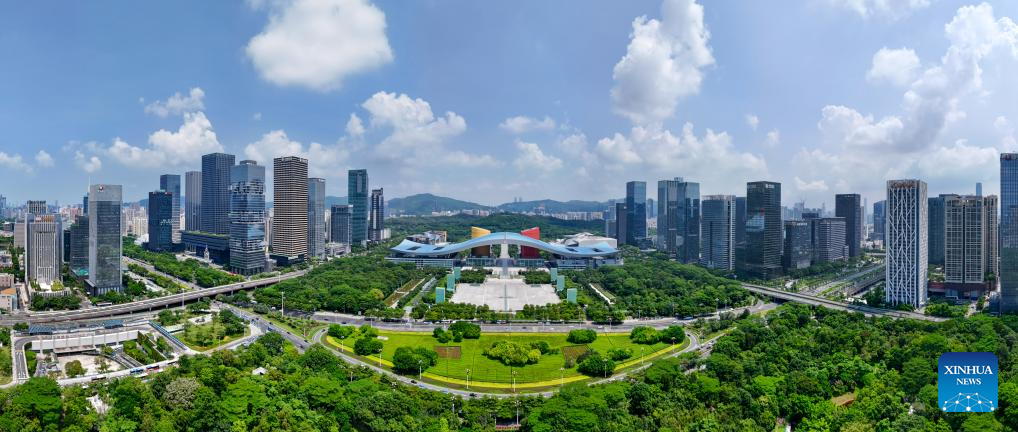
<point x="1004" y="127"/>
<point x="319" y="43"/>
<point x="414" y="128"/>
<point x="752" y="121"/>
<point x="888" y="9"/>
<point x="810" y="186"/>
<point x="532" y="158"/>
<point x="178" y="104"/>
<point x="354" y="126"/>
<point x="43" y="159"/>
<point x="88" y="164"/>
<point x="14" y="162"/>
<point x="524" y="124"/>
<point x="194" y="137"/>
<point x="897" y="66"/>
<point x="464" y="159"/>
<point x="664" y="62"/>
<point x="322" y="159"/>
<point x="773" y="138"/>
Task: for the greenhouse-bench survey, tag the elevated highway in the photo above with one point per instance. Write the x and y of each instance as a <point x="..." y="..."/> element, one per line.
<point x="833" y="304"/>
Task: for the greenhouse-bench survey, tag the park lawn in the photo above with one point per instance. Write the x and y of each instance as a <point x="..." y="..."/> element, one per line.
<point x="488" y="370"/>
<point x="216" y="329"/>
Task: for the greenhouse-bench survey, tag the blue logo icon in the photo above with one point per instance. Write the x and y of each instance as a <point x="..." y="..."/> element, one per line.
<point x="967" y="382"/>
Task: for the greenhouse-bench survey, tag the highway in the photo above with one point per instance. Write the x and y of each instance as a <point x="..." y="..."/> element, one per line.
<point x="141" y="305"/>
<point x="833" y="304"/>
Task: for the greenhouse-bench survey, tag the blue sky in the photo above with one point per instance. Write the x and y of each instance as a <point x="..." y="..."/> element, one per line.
<point x="487" y="101"/>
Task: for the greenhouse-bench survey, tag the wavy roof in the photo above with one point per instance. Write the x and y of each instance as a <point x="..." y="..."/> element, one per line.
<point x="413" y="248"/>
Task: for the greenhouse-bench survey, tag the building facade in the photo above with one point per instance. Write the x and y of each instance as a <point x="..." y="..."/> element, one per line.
<point x="907" y="240"/>
<point x="78" y="261"/>
<point x="247" y="218"/>
<point x="678" y="221"/>
<point x="935" y="235"/>
<point x="37" y="207"/>
<point x="316" y="218"/>
<point x="45" y="251"/>
<point x="192" y="201"/>
<point x="340" y="220"/>
<point x="290" y="207"/>
<point x="636" y="212"/>
<point x="160" y="221"/>
<point x="171" y="183"/>
<point x="879" y="217"/>
<point x="376" y="233"/>
<point x="357" y="197"/>
<point x="105" y="248"/>
<point x="829" y="236"/>
<point x="763" y="229"/>
<point x="992" y="239"/>
<point x="849" y="206"/>
<point x="215" y="192"/>
<point x="964" y="239"/>
<point x="1008" y="232"/>
<point x="718" y="228"/>
<point x="798" y="248"/>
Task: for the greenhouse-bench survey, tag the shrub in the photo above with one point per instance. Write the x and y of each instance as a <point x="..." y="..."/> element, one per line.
<point x="676" y="332"/>
<point x="340" y="331"/>
<point x="644" y="335"/>
<point x="367" y="346"/>
<point x="408" y="360"/>
<point x="595" y="365"/>
<point x="442" y="335"/>
<point x="581" y="336"/>
<point x="541" y="346"/>
<point x="512" y="353"/>
<point x="619" y="354"/>
<point x="368" y="331"/>
<point x="468" y="329"/>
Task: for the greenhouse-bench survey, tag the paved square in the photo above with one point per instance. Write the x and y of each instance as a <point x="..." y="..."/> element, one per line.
<point x="505" y="294"/>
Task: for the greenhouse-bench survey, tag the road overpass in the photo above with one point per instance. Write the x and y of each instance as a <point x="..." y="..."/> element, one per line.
<point x="142" y="305"/>
<point x="833" y="304"/>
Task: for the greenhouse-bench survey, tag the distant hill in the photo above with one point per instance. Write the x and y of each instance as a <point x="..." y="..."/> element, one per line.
<point x="424" y="204"/>
<point x="553" y="206"/>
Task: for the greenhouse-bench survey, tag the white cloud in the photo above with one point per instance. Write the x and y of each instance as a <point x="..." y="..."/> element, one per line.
<point x="663" y="63"/>
<point x="752" y="121"/>
<point x="319" y="43"/>
<point x="88" y="164"/>
<point x="958" y="161"/>
<point x="773" y="138"/>
<point x="1005" y="129"/>
<point x="195" y="137"/>
<point x="532" y="158"/>
<point x="897" y="66"/>
<point x="14" y="161"/>
<point x="354" y="126"/>
<point x="889" y="9"/>
<point x="43" y="159"/>
<point x="256" y="116"/>
<point x="414" y="129"/>
<point x="178" y="104"/>
<point x="323" y="160"/>
<point x="810" y="186"/>
<point x="524" y="124"/>
<point x="464" y="159"/>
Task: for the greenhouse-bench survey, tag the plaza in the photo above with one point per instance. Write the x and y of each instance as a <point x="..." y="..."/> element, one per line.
<point x="505" y="294"/>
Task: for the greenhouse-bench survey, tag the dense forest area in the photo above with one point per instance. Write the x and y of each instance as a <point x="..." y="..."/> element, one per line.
<point x="814" y="369"/>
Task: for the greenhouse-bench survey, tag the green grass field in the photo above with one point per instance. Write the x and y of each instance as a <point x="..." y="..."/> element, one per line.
<point x="488" y="370"/>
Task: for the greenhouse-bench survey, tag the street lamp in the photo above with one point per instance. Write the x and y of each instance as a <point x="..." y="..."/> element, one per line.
<point x="420" y="368"/>
<point x="468" y="379"/>
<point x="561" y="377"/>
<point x="514" y="381"/>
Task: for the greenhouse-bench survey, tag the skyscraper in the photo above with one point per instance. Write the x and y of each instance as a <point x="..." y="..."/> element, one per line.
<point x="992" y="238"/>
<point x="45" y="247"/>
<point x="290" y="206"/>
<point x="171" y="183"/>
<point x="964" y="239"/>
<point x="718" y="232"/>
<point x="907" y="248"/>
<point x="340" y="220"/>
<point x="192" y="206"/>
<point x="678" y="221"/>
<point x="160" y="221"/>
<point x="377" y="231"/>
<point x="104" y="245"/>
<point x="37" y="207"/>
<point x="935" y="235"/>
<point x="621" y="223"/>
<point x="763" y="229"/>
<point x="636" y="212"/>
<point x="1008" y="232"/>
<point x="848" y="206"/>
<point x="78" y="262"/>
<point x="215" y="192"/>
<point x="357" y="197"/>
<point x="879" y="218"/>
<point x="798" y="248"/>
<point x="247" y="218"/>
<point x="829" y="239"/>
<point x="316" y="217"/>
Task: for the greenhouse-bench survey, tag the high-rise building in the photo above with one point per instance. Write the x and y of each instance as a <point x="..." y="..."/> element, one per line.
<point x="763" y="229"/>
<point x="829" y="239"/>
<point x="907" y="248"/>
<point x="992" y="239"/>
<point x="37" y="207"/>
<point x="964" y="239"/>
<point x="678" y="221"/>
<point x="290" y="206"/>
<point x="45" y="247"/>
<point x="798" y="248"/>
<point x="636" y="212"/>
<point x="192" y="201"/>
<point x="357" y="197"/>
<point x="979" y="189"/>
<point x="718" y="226"/>
<point x="376" y="232"/>
<point x="849" y="206"/>
<point x="879" y="218"/>
<point x="160" y="221"/>
<point x="340" y="219"/>
<point x="316" y="217"/>
<point x="651" y="208"/>
<point x="104" y="245"/>
<point x="1008" y="232"/>
<point x="935" y="234"/>
<point x="621" y="223"/>
<point x="247" y="218"/>
<point x="171" y="183"/>
<point x="78" y="261"/>
<point x="215" y="193"/>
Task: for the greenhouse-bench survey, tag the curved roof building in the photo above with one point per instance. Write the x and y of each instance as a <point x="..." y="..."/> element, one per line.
<point x="413" y="249"/>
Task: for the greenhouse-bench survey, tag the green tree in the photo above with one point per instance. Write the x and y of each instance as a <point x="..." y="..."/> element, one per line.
<point x="581" y="336"/>
<point x="74" y="369"/>
<point x="644" y="335"/>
